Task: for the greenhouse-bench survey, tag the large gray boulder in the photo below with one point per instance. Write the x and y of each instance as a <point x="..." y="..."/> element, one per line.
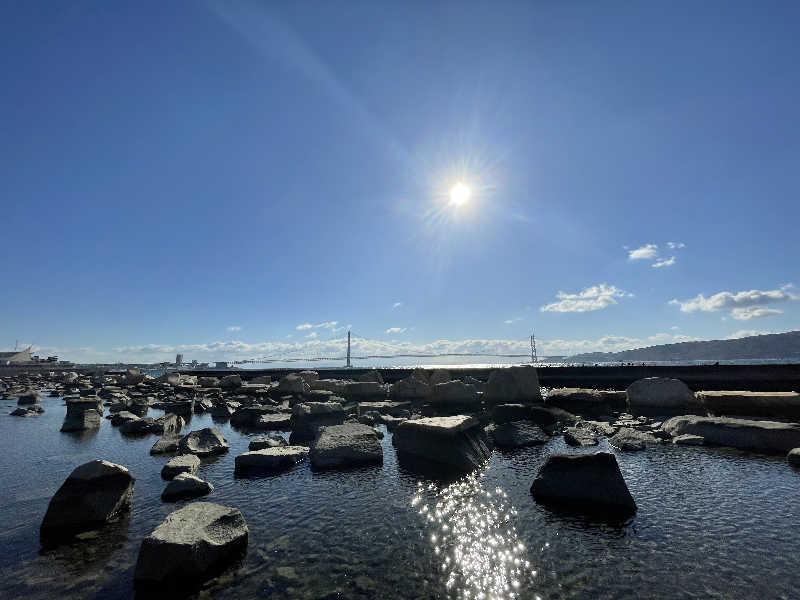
<point x="513" y="385"/>
<point x="184" y="463"/>
<point x="308" y="417"/>
<point x="293" y="384"/>
<point x="191" y="544"/>
<point x="94" y="494"/>
<point x="269" y="460"/>
<point x="516" y="434"/>
<point x="230" y="382"/>
<point x="208" y="382"/>
<point x="775" y="405"/>
<point x="359" y="391"/>
<point x="347" y="445"/>
<point x="439" y="376"/>
<point x="184" y="486"/>
<point x="32" y="410"/>
<point x="587" y="402"/>
<point x="411" y="388"/>
<point x="765" y="436"/>
<point x="587" y="483"/>
<point x="454" y="393"/>
<point x="457" y="443"/>
<point x="373" y="375"/>
<point x="259" y="417"/>
<point x="83" y="413"/>
<point x="203" y="442"/>
<point x="659" y="395"/>
<point x="28" y="397"/>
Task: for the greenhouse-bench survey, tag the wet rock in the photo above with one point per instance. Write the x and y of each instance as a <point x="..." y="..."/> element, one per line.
<point x="766" y="436"/>
<point x="190" y="545"/>
<point x="458" y="442"/>
<point x="688" y="439"/>
<point x="169" y="424"/>
<point x="395" y="409"/>
<point x="270" y="441"/>
<point x="513" y="385"/>
<point x="184" y="486"/>
<point x="308" y="417"/>
<point x="94" y="494"/>
<point x="373" y="375"/>
<point x="392" y="422"/>
<point x="347" y="445"/>
<point x="270" y="460"/>
<point x="165" y="445"/>
<point x="230" y="382"/>
<point x="203" y="442"/>
<point x="516" y="434"/>
<point x="203" y="405"/>
<point x="587" y="402"/>
<point x="587" y="483"/>
<point x="250" y="417"/>
<point x="774" y="405"/>
<point x="550" y="416"/>
<point x="33" y="410"/>
<point x="82" y="414"/>
<point x="28" y="397"/>
<point x="580" y="436"/>
<point x="659" y="395"/>
<point x="630" y="439"/>
<point x="123" y="417"/>
<point x="454" y="393"/>
<point x="794" y="457"/>
<point x="208" y="382"/>
<point x="141" y="426"/>
<point x="411" y="388"/>
<point x="185" y="463"/>
<point x="224" y="410"/>
<point x="133" y="377"/>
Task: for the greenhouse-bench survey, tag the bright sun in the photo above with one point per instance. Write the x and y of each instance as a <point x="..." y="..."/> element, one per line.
<point x="459" y="194"/>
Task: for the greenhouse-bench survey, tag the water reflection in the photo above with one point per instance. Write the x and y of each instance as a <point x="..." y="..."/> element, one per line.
<point x="475" y="539"/>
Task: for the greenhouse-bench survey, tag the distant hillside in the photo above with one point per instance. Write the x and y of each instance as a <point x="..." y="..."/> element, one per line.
<point x="778" y="345"/>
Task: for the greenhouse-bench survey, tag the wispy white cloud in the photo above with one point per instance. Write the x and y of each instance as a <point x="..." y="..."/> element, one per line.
<point x="754" y="312"/>
<point x="664" y="262"/>
<point x="514" y="320"/>
<point x="676" y="245"/>
<point x="646" y="252"/>
<point x="328" y="324"/>
<point x="304" y="326"/>
<point x="392" y="330"/>
<point x="397" y="305"/>
<point x="324" y="325"/>
<point x="233" y="328"/>
<point x="312" y="335"/>
<point x="591" y="298"/>
<point x="743" y="333"/>
<point x="730" y="300"/>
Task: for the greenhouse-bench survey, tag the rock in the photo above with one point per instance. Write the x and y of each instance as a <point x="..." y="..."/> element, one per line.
<point x="270" y="441"/>
<point x="203" y="442"/>
<point x="580" y="436"/>
<point x="230" y="382"/>
<point x="307" y="417"/>
<point x="82" y="414"/>
<point x="373" y="375"/>
<point x="411" y="388"/>
<point x="359" y="391"/>
<point x="659" y="395"/>
<point x="347" y="445"/>
<point x="169" y="424"/>
<point x="190" y="544"/>
<point x="141" y="426"/>
<point x="133" y="377"/>
<point x="165" y="445"/>
<point x="33" y="410"/>
<point x="516" y="434"/>
<point x="185" y="463"/>
<point x="774" y="405"/>
<point x="605" y="428"/>
<point x="439" y="376"/>
<point x="28" y="397"/>
<point x="270" y="460"/>
<point x="208" y="382"/>
<point x="335" y="386"/>
<point x="202" y="405"/>
<point x="224" y="409"/>
<point x="587" y="402"/>
<point x="249" y="417"/>
<point x="293" y="384"/>
<point x="395" y="409"/>
<point x="122" y="417"/>
<point x="549" y="416"/>
<point x="458" y="442"/>
<point x="630" y="439"/>
<point x="185" y="485"/>
<point x="794" y="457"/>
<point x="688" y="439"/>
<point x="585" y="482"/>
<point x="392" y="422"/>
<point x="454" y="393"/>
<point x="94" y="494"/>
<point x="308" y="376"/>
<point x="513" y="385"/>
<point x="766" y="436"/>
<point x="261" y="380"/>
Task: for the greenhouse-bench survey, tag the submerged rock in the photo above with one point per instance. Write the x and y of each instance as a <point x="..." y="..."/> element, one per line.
<point x="33" y="410"/>
<point x="516" y="434"/>
<point x="458" y="442"/>
<point x="270" y="460"/>
<point x="347" y="445"/>
<point x="584" y="482"/>
<point x="185" y="485"/>
<point x="204" y="442"/>
<point x="767" y="436"/>
<point x="93" y="494"/>
<point x="185" y="463"/>
<point x="190" y="545"/>
<point x="513" y="385"/>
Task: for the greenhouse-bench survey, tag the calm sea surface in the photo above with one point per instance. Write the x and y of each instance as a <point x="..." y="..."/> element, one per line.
<point x="712" y="523"/>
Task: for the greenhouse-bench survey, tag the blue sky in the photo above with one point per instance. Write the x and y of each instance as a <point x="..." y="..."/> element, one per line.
<point x="213" y="176"/>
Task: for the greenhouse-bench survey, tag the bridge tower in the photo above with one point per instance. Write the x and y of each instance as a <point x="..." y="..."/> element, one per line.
<point x="534" y="358"/>
<point x="348" y="349"/>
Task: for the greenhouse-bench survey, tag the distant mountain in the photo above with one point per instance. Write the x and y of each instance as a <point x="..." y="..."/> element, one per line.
<point x="773" y="346"/>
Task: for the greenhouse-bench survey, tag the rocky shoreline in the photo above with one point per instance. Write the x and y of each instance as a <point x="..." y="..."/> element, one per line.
<point x="437" y="422"/>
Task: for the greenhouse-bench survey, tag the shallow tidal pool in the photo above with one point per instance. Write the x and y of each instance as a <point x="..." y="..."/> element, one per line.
<point x="711" y="523"/>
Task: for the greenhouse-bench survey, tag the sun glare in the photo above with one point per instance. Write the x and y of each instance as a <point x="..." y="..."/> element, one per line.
<point x="459" y="194"/>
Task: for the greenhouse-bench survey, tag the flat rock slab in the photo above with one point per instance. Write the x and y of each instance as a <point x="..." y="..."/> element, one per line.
<point x="458" y="443"/>
<point x="687" y="439"/>
<point x="204" y="442"/>
<point x="270" y="460"/>
<point x="447" y="426"/>
<point x="184" y="486"/>
<point x="190" y="545"/>
<point x="580" y="436"/>
<point x="587" y="401"/>
<point x="185" y="463"/>
<point x="31" y="410"/>
<point x="347" y="445"/>
<point x="270" y="441"/>
<point x="517" y="434"/>
<point x="93" y="494"/>
<point x="630" y="439"/>
<point x="776" y="405"/>
<point x="587" y="483"/>
<point x="278" y="422"/>
<point x="766" y="436"/>
<point x="165" y="445"/>
<point x="394" y="409"/>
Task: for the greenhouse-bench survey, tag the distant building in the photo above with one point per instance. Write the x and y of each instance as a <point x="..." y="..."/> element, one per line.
<point x="22" y="356"/>
<point x="179" y="359"/>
